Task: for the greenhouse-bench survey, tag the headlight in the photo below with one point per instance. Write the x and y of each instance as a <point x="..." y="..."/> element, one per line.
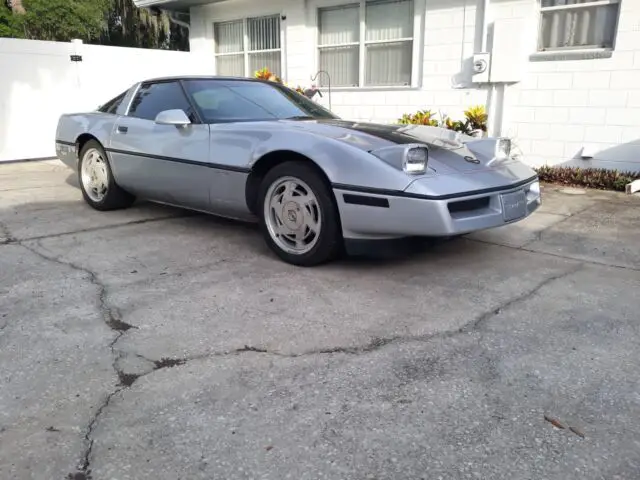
<point x="415" y="160"/>
<point x="410" y="158"/>
<point x="503" y="148"/>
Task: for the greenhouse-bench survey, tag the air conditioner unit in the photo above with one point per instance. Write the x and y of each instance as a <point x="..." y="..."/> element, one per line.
<point x="481" y="67"/>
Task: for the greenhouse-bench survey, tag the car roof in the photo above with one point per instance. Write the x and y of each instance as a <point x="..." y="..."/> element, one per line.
<point x="200" y="77"/>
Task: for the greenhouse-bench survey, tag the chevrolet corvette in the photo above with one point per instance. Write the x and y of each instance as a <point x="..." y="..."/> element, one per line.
<point x="258" y="151"/>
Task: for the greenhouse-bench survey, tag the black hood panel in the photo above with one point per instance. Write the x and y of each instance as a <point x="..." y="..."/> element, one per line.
<point x="389" y="133"/>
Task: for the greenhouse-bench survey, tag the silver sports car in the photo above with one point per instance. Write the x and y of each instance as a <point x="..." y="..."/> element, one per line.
<point x="255" y="150"/>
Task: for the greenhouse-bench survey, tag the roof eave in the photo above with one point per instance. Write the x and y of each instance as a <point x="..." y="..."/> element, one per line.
<point x="178" y="5"/>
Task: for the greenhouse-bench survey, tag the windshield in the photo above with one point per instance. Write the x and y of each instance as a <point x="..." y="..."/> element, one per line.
<point x="222" y="101"/>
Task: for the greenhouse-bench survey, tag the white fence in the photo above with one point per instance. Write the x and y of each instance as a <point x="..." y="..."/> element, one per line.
<point x="39" y="82"/>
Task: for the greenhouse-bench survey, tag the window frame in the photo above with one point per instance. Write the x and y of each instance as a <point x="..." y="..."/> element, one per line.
<point x="417" y="8"/>
<point x="572" y="7"/>
<point x="245" y="42"/>
<point x="108" y="107"/>
<point x="193" y="113"/>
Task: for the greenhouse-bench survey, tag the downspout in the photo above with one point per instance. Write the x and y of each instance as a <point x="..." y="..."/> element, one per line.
<point x="484" y="6"/>
<point x="495" y="93"/>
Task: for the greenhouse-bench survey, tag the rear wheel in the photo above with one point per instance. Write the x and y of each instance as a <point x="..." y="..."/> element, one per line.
<point x="98" y="186"/>
<point x="299" y="217"/>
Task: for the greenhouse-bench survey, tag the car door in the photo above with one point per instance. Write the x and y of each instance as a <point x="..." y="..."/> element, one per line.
<point x="166" y="163"/>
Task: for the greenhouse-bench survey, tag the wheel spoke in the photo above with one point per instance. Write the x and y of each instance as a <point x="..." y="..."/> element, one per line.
<point x="275" y="206"/>
<point x="101" y="177"/>
<point x="299" y="237"/>
<point x="306" y="200"/>
<point x="289" y="189"/>
<point x="311" y="221"/>
<point x="280" y="228"/>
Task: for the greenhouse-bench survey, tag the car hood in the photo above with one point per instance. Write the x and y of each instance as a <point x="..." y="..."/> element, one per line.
<point x="447" y="149"/>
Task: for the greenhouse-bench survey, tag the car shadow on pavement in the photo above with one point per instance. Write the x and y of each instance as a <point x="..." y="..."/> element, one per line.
<point x="396" y="251"/>
<point x="72" y="180"/>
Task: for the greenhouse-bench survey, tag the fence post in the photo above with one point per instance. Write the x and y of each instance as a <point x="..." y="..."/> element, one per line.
<point x="76" y="59"/>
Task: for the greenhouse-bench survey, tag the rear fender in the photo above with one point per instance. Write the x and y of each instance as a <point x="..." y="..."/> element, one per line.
<point x="75" y="129"/>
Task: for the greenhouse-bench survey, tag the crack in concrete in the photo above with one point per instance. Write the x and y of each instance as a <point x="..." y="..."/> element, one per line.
<point x="6" y="233"/>
<point x="110" y="315"/>
<point x="128" y="379"/>
<point x="125" y="380"/>
<point x="167" y="363"/>
<point x="474" y="325"/>
<point x="377" y="343"/>
<point x="84" y="469"/>
<point x="13" y="240"/>
<point x="113" y="320"/>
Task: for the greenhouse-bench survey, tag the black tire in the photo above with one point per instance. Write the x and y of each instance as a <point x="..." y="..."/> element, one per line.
<point x="330" y="242"/>
<point x="115" y="198"/>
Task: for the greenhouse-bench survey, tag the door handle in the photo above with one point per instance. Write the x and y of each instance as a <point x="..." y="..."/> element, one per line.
<point x="122" y="129"/>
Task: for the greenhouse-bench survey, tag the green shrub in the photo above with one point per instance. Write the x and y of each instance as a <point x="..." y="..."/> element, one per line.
<point x="475" y="119"/>
<point x="597" y="178"/>
<point x="422" y="117"/>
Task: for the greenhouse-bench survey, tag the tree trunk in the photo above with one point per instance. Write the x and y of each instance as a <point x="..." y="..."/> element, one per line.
<point x="16" y="6"/>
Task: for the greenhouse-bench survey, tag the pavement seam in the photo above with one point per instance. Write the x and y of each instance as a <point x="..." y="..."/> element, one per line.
<point x="540" y="234"/>
<point x="555" y="255"/>
<point x="12" y="240"/>
<point x="16" y="189"/>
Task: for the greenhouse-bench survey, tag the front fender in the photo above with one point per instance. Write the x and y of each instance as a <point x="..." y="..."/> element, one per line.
<point x="342" y="163"/>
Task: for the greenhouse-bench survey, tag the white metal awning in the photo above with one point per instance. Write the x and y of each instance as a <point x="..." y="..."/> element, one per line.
<point x="173" y="4"/>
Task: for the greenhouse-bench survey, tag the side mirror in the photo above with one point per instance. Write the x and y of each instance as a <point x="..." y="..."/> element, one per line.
<point x="176" y="118"/>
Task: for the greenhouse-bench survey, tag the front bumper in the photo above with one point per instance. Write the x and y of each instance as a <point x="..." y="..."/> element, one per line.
<point x="378" y="216"/>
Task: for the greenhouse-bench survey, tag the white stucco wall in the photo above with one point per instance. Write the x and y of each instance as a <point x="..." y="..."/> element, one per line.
<point x="557" y="109"/>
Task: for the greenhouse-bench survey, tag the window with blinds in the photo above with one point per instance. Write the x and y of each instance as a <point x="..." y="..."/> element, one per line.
<point x="244" y="46"/>
<point x="577" y="24"/>
<point x="367" y="43"/>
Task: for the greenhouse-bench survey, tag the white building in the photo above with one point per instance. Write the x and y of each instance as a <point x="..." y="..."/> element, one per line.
<point x="563" y="78"/>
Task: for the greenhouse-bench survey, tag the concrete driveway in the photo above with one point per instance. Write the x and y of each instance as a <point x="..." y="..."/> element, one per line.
<point x="158" y="344"/>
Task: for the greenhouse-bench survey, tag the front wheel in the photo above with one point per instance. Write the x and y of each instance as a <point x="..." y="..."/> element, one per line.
<point x="299" y="217"/>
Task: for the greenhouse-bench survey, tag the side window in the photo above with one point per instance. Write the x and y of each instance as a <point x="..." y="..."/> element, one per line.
<point x="112" y="105"/>
<point x="153" y="98"/>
